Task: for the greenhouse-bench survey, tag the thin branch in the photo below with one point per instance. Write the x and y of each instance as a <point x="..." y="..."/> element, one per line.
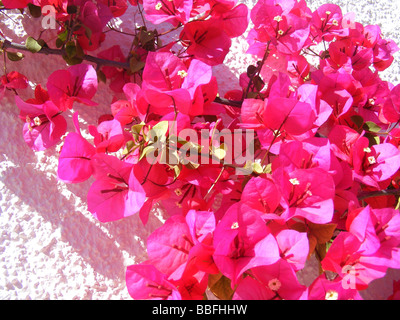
<point x="60" y="52"/>
<point x="232" y="103"/>
<point x="372" y="194"/>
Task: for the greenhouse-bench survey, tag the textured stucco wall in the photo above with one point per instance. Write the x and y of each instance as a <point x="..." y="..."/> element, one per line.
<point x="50" y="245"/>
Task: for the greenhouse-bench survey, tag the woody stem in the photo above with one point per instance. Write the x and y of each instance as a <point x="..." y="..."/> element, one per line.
<point x="372" y="194"/>
<point x="49" y="51"/>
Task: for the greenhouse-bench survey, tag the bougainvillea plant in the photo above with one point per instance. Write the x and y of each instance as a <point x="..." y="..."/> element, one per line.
<point x="302" y="162"/>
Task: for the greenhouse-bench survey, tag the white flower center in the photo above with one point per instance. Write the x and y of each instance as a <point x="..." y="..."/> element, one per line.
<point x="371" y="160"/>
<point x="331" y="295"/>
<point x="274" y="284"/>
<point x="182" y="73"/>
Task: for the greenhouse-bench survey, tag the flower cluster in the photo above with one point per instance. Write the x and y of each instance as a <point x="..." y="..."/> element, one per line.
<point x="302" y="162"/>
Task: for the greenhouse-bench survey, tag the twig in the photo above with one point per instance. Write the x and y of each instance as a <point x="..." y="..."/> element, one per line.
<point x="60" y="52"/>
<point x="372" y="194"/>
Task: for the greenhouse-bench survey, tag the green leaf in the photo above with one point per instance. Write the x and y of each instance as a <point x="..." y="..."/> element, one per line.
<point x="101" y="77"/>
<point x="146" y="36"/>
<point x="72" y="61"/>
<point x="371" y="126"/>
<point x="15" y="56"/>
<point x="137" y="128"/>
<point x="146" y="151"/>
<point x="372" y="138"/>
<point x="32" y="45"/>
<point x="357" y="120"/>
<point x="251" y="71"/>
<point x="220" y="152"/>
<point x="159" y="130"/>
<point x="398" y="204"/>
<point x="136" y="65"/>
<point x="129" y="146"/>
<point x="35" y="11"/>
<point x="71" y="9"/>
<point x="220" y="286"/>
<point x="258" y="83"/>
<point x="70" y="49"/>
<point x="63" y="36"/>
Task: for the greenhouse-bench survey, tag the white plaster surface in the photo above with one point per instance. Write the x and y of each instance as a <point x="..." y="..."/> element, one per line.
<point x="50" y="245"/>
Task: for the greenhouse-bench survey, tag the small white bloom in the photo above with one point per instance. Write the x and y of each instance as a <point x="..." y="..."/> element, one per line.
<point x="371" y="160"/>
<point x="331" y="295"/>
<point x="178" y="191"/>
<point x="37" y="121"/>
<point x="274" y="284"/>
<point x="182" y="73"/>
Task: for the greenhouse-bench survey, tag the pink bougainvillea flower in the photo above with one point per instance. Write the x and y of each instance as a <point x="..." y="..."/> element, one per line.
<point x="44" y="125"/>
<point x="307" y="193"/>
<point x="290" y="115"/>
<point x="383" y="49"/>
<point x="163" y="71"/>
<point x="391" y="108"/>
<point x="341" y="91"/>
<point x="293" y="247"/>
<point x="261" y="194"/>
<point x="201" y="85"/>
<point x="109" y="136"/>
<point x="77" y="83"/>
<point x="345" y="52"/>
<point x="355" y="269"/>
<point x="125" y="111"/>
<point x="298" y="67"/>
<point x="242" y="241"/>
<point x="359" y="223"/>
<point x="396" y="291"/>
<point x="206" y="41"/>
<point x="174" y="251"/>
<point x="374" y="164"/>
<point x="324" y="289"/>
<point x="163" y="76"/>
<point x="145" y="282"/>
<point x="16" y="4"/>
<point x="342" y="140"/>
<point x="283" y="23"/>
<point x="13" y="80"/>
<point x="252" y="113"/>
<point x="117" y="7"/>
<point x="94" y="16"/>
<point x="235" y="21"/>
<point x="74" y="163"/>
<point x="118" y="76"/>
<point x="168" y="246"/>
<point x="173" y="12"/>
<point x="327" y="22"/>
<point x="201" y="225"/>
<point x="116" y="192"/>
<point x="276" y="281"/>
